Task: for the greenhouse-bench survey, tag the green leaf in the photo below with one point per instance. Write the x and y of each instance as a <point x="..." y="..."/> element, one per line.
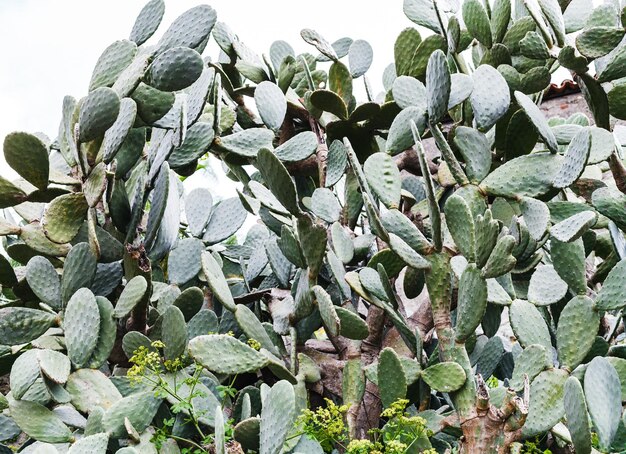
<point x="28" y="156"/>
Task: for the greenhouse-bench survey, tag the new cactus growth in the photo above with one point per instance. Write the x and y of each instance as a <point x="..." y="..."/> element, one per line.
<point x="437" y="268"/>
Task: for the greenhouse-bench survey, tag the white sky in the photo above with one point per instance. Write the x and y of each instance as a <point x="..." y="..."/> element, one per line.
<point x="49" y="47"/>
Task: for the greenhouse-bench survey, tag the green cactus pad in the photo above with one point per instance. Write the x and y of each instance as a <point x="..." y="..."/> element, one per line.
<point x="54" y="365"/>
<point x="246" y="432"/>
<point x="603" y="395"/>
<point x="391" y="379"/>
<point x="93" y="444"/>
<point x="253" y="328"/>
<point x="528" y="324"/>
<point x="226" y="355"/>
<point x="437" y="86"/>
<point x="546" y="402"/>
<point x="325" y="205"/>
<point x="147" y="21"/>
<point x="90" y="388"/>
<point x="81" y="323"/>
<point x="576" y="413"/>
<point x="576" y="331"/>
<point x="38" y="422"/>
<point x="575" y="160"/>
<point x="472" y="302"/>
<point x="545" y="286"/>
<point x="174" y="335"/>
<point x="398" y="224"/>
<point x="248" y="142"/>
<point x="20" y="325"/>
<point x="332" y="323"/>
<point x="574" y="227"/>
<point x="383" y="177"/>
<point x="313" y="241"/>
<point x="298" y="148"/>
<point x="529" y="175"/>
<point x="183" y="263"/>
<point x="132" y="294"/>
<point x="271" y="104"/>
<point x="400" y="137"/>
<point x="198" y="204"/>
<point x="533" y="360"/>
<point x="175" y="69"/>
<point x="500" y="260"/>
<point x="477" y="22"/>
<point x="24" y="372"/>
<point x="536" y="217"/>
<point x="226" y="218"/>
<point x="360" y="57"/>
<point x="352" y="326"/>
<point x="408" y="91"/>
<point x="329" y="101"/>
<point x="114" y="136"/>
<point x="44" y="281"/>
<point x="476" y="152"/>
<point x="569" y="262"/>
<point x="28" y="156"/>
<point x="98" y="113"/>
<point x="64" y="217"/>
<point x="490" y="97"/>
<point x="422" y="12"/>
<point x="538" y="120"/>
<point x="612" y="295"/>
<point x="106" y="335"/>
<point x="278" y="180"/>
<point x="461" y="225"/>
<point x="277" y="417"/>
<point x="115" y="58"/>
<point x="190" y="29"/>
<point x="78" y="271"/>
<point x="445" y="377"/>
<point x="319" y="42"/>
<point x="216" y="280"/>
<point x="139" y="408"/>
<point x="611" y="203"/>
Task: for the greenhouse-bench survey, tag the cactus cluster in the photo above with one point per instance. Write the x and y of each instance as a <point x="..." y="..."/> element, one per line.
<point x="442" y="244"/>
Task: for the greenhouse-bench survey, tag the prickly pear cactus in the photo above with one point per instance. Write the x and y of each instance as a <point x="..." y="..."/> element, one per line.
<point x="441" y="262"/>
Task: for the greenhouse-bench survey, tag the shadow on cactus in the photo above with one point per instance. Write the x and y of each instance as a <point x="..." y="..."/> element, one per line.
<point x="436" y="268"/>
